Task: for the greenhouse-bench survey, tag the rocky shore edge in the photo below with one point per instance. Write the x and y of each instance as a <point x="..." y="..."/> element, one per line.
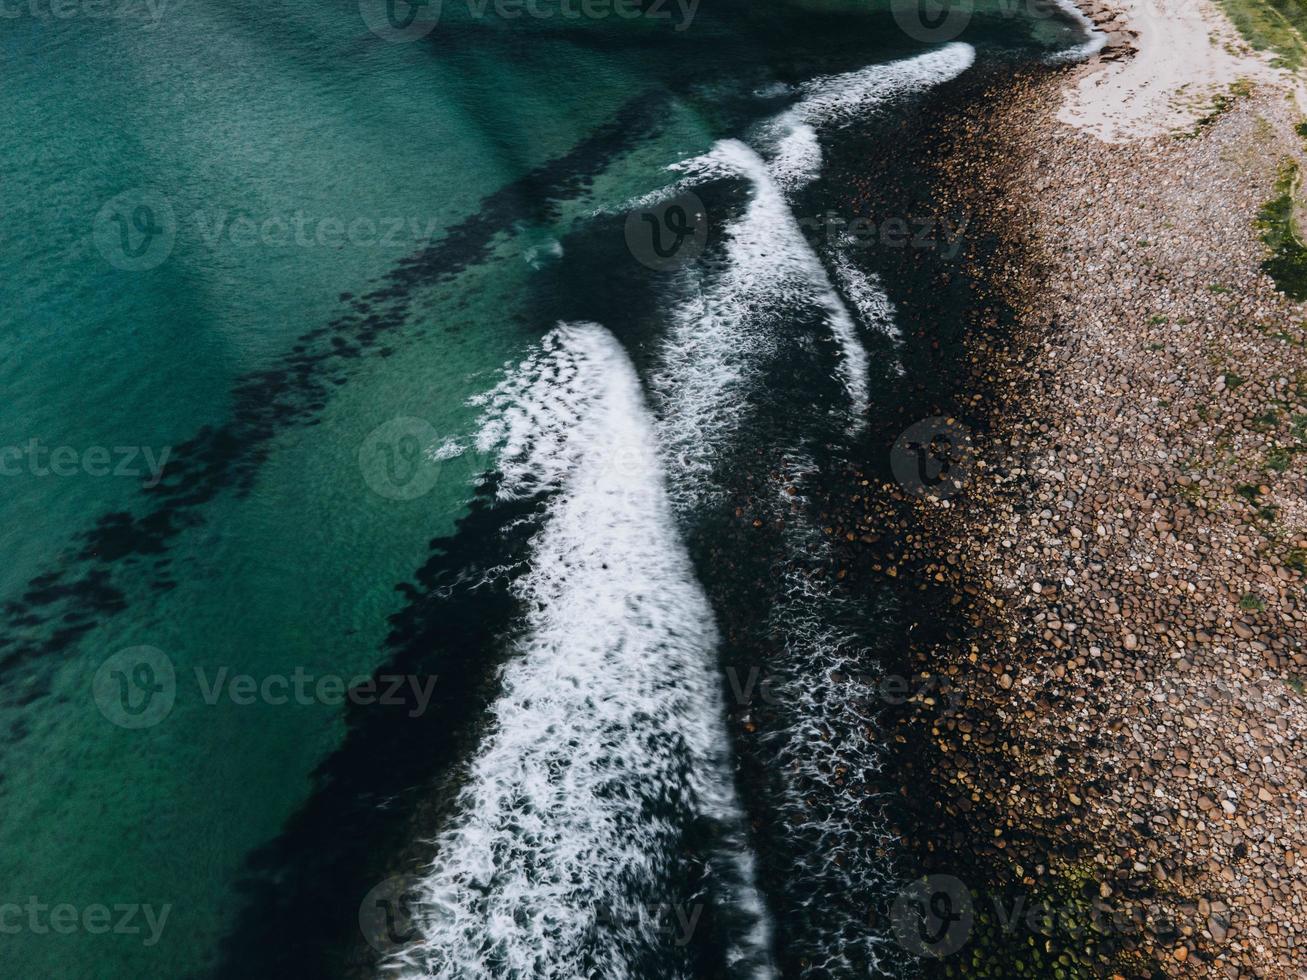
<point x="1113" y="23"/>
<point x="1110" y="776"/>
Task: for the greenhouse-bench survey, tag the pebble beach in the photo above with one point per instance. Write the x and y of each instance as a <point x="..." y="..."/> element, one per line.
<point x="1123" y="565"/>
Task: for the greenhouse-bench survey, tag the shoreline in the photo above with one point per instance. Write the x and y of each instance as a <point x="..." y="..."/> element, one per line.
<point x="1123" y="577"/>
<point x="1164" y="64"/>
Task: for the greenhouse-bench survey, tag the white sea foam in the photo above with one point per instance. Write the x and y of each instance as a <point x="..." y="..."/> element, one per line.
<point x="825" y="684"/>
<point x="868" y="295"/>
<point x="449" y="449"/>
<point x="1096" y="42"/>
<point x="725" y="328"/>
<point x="837" y="99"/>
<point x="874" y="308"/>
<point x="607" y="740"/>
<point x="724" y="331"/>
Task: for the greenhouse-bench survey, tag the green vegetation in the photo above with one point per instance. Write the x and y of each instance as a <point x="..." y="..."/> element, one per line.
<point x="1062" y="931"/>
<point x="1233" y="380"/>
<point x="1251" y="602"/>
<point x="1268" y="419"/>
<point x="1272" y="25"/>
<point x="1278" y="334"/>
<point x="1221" y="104"/>
<point x="1279" y="460"/>
<point x="1287" y="264"/>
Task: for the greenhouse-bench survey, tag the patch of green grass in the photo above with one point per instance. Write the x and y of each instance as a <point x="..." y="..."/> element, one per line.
<point x="1157" y="321"/>
<point x="1296" y="558"/>
<point x="1249" y="492"/>
<point x="1301" y="129"/>
<point x="1217" y="288"/>
<point x="1268" y="419"/>
<point x="1221" y="104"/>
<point x="1233" y="380"/>
<point x="1279" y="460"/>
<point x="1058" y="930"/>
<point x="1251" y="602"/>
<point x="1272" y="25"/>
<point x="1287" y="264"/>
<point x="1299" y="427"/>
<point x="1296" y="685"/>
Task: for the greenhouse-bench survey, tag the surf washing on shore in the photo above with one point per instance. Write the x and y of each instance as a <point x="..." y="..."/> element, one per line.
<point x="602" y="796"/>
<point x="654" y="736"/>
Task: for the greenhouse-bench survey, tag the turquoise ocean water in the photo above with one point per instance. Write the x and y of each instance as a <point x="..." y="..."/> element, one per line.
<point x="345" y="241"/>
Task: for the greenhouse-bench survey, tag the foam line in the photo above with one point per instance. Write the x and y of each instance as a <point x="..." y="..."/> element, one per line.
<point x="608" y="739"/>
